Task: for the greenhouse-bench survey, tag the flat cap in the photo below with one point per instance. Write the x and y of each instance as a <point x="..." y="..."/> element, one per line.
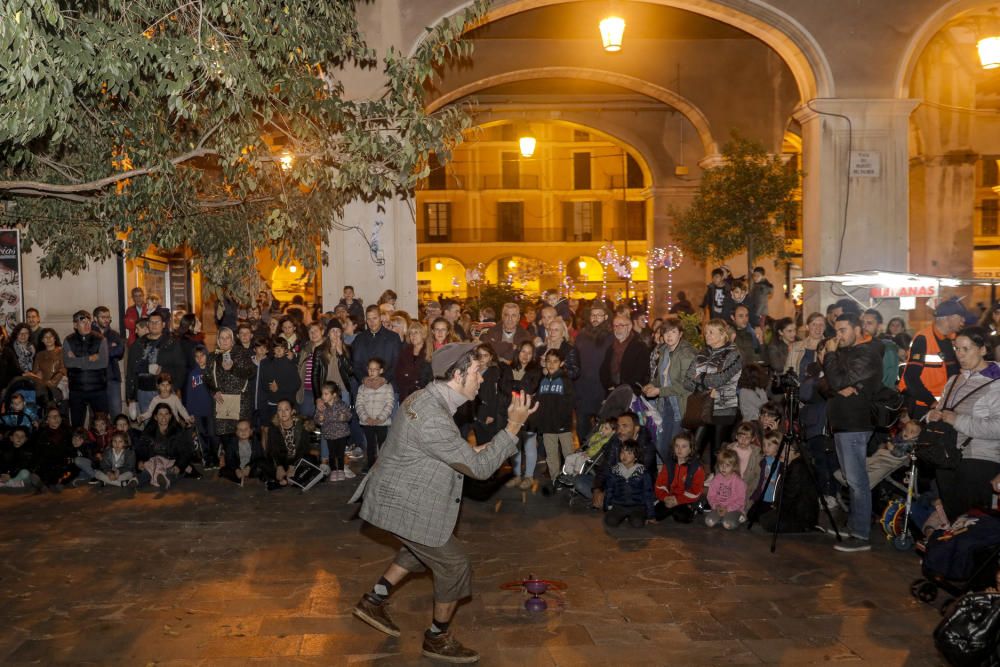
<point x="445" y="357"/>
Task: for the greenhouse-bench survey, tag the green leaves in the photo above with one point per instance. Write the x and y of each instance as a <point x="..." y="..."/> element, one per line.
<point x="742" y="205"/>
<point x="166" y="121"/>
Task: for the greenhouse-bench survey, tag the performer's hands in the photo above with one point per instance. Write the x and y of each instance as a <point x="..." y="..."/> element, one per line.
<point x="519" y="410"/>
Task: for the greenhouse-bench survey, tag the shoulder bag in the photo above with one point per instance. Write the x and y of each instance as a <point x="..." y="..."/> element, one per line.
<point x="698" y="411"/>
<point x="229" y="407"/>
<point x="937" y="444"/>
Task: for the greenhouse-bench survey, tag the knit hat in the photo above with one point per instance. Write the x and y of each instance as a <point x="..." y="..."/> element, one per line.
<point x="448" y="355"/>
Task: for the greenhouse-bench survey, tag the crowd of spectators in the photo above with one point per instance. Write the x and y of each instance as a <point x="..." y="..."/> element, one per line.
<point x="155" y="402"/>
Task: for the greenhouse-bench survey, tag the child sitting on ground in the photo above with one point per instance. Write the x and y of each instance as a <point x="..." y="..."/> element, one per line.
<point x="726" y="493"/>
<point x="17" y="460"/>
<point x="118" y="464"/>
<point x="630" y="491"/>
<point x="680" y="482"/>
<point x="595" y="443"/>
<point x="244" y="457"/>
<point x="84" y="455"/>
<point x="333" y="417"/>
<point x="165" y="394"/>
<point x="747" y="450"/>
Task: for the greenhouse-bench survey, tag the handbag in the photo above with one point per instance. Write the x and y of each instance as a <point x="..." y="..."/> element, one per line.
<point x="969" y="634"/>
<point x="938" y="442"/>
<point x="229" y="407"/>
<point x="698" y="411"/>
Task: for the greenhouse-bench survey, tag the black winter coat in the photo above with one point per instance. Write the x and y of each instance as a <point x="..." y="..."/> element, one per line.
<point x="858" y="366"/>
<point x="285" y="373"/>
<point x="634" y="368"/>
<point x="321" y="360"/>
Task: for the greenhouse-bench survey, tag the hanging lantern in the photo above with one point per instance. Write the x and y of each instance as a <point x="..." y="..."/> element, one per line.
<point x="612" y="33"/>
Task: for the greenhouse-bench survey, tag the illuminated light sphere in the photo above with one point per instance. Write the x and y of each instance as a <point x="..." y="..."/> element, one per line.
<point x="438" y="265"/>
<point x="612" y="32"/>
<point x="512" y="264"/>
<point x="293" y="268"/>
<point x="634" y="263"/>
<point x="989" y="52"/>
<point x="286" y="161"/>
<point x="582" y="264"/>
<point x="527" y="144"/>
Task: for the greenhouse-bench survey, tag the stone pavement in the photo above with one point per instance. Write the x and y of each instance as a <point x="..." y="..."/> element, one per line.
<point x="215" y="574"/>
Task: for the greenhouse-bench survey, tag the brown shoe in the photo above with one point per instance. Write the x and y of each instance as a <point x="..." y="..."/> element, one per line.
<point x="446" y="648"/>
<point x="374" y="614"/>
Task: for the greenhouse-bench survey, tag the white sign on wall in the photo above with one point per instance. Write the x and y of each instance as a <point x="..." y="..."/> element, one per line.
<point x="866" y="164"/>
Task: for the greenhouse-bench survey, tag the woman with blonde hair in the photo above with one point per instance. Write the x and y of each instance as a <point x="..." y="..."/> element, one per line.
<point x="413" y="368"/>
<point x="718" y="371"/>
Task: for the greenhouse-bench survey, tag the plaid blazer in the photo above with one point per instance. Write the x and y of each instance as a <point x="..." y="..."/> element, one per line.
<point x="415" y="488"/>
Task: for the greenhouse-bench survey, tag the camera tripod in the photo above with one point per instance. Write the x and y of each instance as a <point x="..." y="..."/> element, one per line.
<point x="792" y="437"/>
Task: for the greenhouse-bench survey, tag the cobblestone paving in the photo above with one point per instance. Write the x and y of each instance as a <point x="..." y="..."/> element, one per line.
<point x="215" y="574"/>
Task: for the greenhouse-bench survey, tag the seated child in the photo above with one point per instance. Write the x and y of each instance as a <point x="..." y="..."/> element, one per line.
<point x="244" y="456"/>
<point x="17" y="460"/>
<point x="727" y="494"/>
<point x="770" y="417"/>
<point x="800" y="498"/>
<point x="286" y="443"/>
<point x="166" y="394"/>
<point x="101" y="435"/>
<point x="333" y="416"/>
<point x="771" y="468"/>
<point x="20" y="414"/>
<point x="84" y="455"/>
<point x="680" y="482"/>
<point x="629" y="489"/>
<point x="747" y="450"/>
<point x="118" y="464"/>
<point x="892" y="455"/>
<point x="595" y="443"/>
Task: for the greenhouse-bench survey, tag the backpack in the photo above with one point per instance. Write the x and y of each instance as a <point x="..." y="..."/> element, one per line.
<point x="886" y="404"/>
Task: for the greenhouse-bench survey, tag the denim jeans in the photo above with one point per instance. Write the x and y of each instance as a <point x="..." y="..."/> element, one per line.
<point x="584" y="485"/>
<point x="144" y="398"/>
<point x="308" y="406"/>
<point x="851" y="450"/>
<point x="671" y="426"/>
<point x="114" y="398"/>
<point x="528" y="445"/>
<point x="86" y="468"/>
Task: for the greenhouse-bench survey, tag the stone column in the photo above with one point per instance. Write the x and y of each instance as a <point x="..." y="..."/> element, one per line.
<point x="876" y="235"/>
<point x="386" y="260"/>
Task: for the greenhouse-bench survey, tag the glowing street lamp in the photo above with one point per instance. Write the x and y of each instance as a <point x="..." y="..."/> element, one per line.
<point x="989" y="52"/>
<point x="527" y="144"/>
<point x="438" y="265"/>
<point x="582" y="264"/>
<point x="612" y="32"/>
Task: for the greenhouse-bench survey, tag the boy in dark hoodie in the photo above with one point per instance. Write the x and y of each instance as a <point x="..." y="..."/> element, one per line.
<point x="630" y="490"/>
<point x="554" y="419"/>
<point x="680" y="483"/>
<point x="717" y="299"/>
<point x="17" y="460"/>
<point x="54" y="451"/>
<point x="279" y="379"/>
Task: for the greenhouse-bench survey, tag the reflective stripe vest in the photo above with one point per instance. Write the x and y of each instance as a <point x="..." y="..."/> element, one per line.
<point x="934" y="375"/>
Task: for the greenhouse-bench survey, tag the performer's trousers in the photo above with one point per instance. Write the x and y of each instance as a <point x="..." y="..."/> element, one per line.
<point x="448" y="563"/>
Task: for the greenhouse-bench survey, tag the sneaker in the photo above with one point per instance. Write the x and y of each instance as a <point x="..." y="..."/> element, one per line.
<point x="830" y="502"/>
<point x="356" y="453"/>
<point x="348" y="473"/>
<point x="332" y="477"/>
<point x="373" y="612"/>
<point x="130" y="488"/>
<point x="852" y="544"/>
<point x="446" y="648"/>
<point x="93" y="481"/>
<point x="272" y="485"/>
<point x="526" y="483"/>
<point x="194" y="474"/>
<point x="341" y="476"/>
<point x="513" y="481"/>
<point x="15" y="484"/>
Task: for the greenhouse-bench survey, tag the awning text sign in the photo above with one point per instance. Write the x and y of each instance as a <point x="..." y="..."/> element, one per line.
<point x="899" y="291"/>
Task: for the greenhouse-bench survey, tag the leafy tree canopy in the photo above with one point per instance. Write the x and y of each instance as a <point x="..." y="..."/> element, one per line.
<point x="219" y="125"/>
<point x="741" y="206"/>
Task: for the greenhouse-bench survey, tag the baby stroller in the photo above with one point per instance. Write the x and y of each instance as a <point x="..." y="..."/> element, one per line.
<point x="620" y="400"/>
<point x="965" y="558"/>
<point x="896" y="519"/>
<point x="37" y="397"/>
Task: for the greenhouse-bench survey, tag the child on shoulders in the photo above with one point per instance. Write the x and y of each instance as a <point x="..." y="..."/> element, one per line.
<point x="680" y="483"/>
<point x="726" y="493"/>
<point x="630" y="491"/>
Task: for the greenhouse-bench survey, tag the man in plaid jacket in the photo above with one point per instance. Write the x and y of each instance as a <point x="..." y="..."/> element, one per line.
<point x="415" y="492"/>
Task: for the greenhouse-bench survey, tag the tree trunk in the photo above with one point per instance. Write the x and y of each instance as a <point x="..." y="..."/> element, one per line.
<point x="749" y="276"/>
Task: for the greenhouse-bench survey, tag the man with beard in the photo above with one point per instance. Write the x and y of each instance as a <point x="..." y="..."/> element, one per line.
<point x="592" y="344"/>
<point x="626" y="360"/>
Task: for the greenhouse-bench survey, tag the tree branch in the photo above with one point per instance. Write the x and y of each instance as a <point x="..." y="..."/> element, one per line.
<point x="79" y="191"/>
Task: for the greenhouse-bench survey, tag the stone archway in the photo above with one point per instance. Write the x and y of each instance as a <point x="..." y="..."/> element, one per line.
<point x="783" y="33"/>
<point x="668" y="97"/>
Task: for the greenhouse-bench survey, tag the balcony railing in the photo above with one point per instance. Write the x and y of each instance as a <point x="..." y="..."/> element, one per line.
<point x="499" y="182"/>
<point x="524" y="235"/>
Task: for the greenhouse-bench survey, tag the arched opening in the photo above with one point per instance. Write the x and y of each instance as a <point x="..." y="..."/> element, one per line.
<point x="441" y="276"/>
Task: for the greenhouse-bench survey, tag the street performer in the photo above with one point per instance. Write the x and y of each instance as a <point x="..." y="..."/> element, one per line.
<point x="415" y="492"/>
